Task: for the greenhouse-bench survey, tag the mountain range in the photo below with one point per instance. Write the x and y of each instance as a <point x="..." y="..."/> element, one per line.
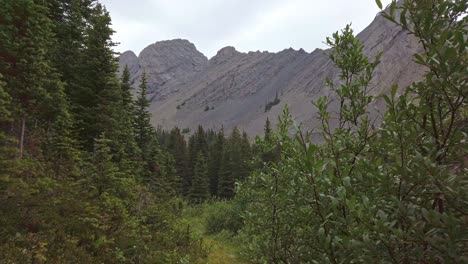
<point x="232" y="88"/>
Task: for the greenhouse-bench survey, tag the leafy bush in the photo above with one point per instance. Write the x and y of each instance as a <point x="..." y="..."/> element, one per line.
<point x="389" y="194"/>
<point x="222" y="215"/>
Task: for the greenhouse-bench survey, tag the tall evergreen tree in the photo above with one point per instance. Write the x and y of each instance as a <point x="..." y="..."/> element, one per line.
<point x="267" y="130"/>
<point x="232" y="163"/>
<point x="197" y="144"/>
<point x="178" y="148"/>
<point x="30" y="80"/>
<point x="105" y="172"/>
<point x="246" y="156"/>
<point x="199" y="191"/>
<point x="270" y="152"/>
<point x="215" y="162"/>
<point x="127" y="98"/>
<point x="7" y="151"/>
<point x="143" y="128"/>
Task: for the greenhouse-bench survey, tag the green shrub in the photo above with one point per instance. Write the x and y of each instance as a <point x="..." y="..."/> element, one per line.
<point x="223" y="216"/>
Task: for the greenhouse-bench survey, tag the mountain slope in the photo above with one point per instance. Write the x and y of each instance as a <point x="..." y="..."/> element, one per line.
<point x="236" y="86"/>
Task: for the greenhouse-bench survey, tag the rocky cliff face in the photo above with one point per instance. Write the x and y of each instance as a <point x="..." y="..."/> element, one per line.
<point x="168" y="65"/>
<point x="236" y="86"/>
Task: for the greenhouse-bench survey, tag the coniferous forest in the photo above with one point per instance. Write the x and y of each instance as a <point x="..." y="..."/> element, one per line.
<point x="86" y="178"/>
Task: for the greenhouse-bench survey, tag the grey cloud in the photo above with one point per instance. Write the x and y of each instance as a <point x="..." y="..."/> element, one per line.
<point x="245" y="24"/>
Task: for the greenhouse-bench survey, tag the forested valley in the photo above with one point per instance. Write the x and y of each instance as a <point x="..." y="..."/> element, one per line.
<point x="86" y="178"/>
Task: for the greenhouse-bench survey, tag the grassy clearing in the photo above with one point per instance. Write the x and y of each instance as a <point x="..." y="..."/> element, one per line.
<point x="222" y="247"/>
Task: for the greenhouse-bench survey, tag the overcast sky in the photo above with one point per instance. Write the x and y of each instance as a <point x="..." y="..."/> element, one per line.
<point x="248" y="25"/>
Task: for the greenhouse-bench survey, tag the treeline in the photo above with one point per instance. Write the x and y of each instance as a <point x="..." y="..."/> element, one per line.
<point x="210" y="163"/>
<point x="82" y="176"/>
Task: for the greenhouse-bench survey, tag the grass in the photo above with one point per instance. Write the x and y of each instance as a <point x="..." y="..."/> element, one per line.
<point x="222" y="248"/>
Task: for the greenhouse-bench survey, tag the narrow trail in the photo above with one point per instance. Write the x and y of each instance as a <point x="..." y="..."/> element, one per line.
<point x="221" y="251"/>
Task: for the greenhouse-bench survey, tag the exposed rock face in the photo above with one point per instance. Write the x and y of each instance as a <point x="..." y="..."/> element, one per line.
<point x="131" y="60"/>
<point x="168" y="65"/>
<point x="238" y="85"/>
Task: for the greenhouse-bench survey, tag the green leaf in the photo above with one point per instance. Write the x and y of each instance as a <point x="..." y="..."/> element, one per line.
<point x="392" y="8"/>
<point x="389" y="103"/>
<point x="403" y="19"/>
<point x="346" y="181"/>
<point x="379" y="4"/>
<point x="394" y="90"/>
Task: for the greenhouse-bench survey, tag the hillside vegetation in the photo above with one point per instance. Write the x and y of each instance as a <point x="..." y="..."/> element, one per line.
<point x="86" y="178"/>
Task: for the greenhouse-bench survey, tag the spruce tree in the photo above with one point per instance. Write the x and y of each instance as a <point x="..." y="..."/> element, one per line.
<point x="231" y="166"/>
<point x="267" y="130"/>
<point x="199" y="191"/>
<point x="143" y="128"/>
<point x="269" y="151"/>
<point x="126" y="88"/>
<point x="7" y="151"/>
<point x="246" y="154"/>
<point x="178" y="148"/>
<point x="197" y="144"/>
<point x="215" y="162"/>
<point x="29" y="77"/>
<point x="105" y="172"/>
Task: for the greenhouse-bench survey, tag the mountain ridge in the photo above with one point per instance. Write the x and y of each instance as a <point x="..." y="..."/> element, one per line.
<point x="235" y="86"/>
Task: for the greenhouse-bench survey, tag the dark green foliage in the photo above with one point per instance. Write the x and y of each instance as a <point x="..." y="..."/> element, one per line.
<point x="199" y="191"/>
<point x="231" y="166"/>
<point x="246" y="157"/>
<point x="74" y="187"/>
<point x="142" y="116"/>
<point x="266" y="148"/>
<point x="267" y="130"/>
<point x="127" y="99"/>
<point x="216" y="149"/>
<point x="215" y="162"/>
<point x="223" y="215"/>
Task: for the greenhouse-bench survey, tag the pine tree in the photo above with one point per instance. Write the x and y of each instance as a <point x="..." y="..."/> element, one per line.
<point x="127" y="98"/>
<point x="201" y="144"/>
<point x="197" y="144"/>
<point x="163" y="180"/>
<point x="232" y="163"/>
<point x="7" y="152"/>
<point x="267" y="130"/>
<point x="199" y="191"/>
<point x="105" y="172"/>
<point x="128" y="150"/>
<point x="269" y="151"/>
<point x="178" y="148"/>
<point x="246" y="154"/>
<point x="142" y="117"/>
<point x="30" y="80"/>
<point x="215" y="161"/>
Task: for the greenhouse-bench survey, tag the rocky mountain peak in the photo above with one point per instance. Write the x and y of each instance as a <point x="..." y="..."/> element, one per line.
<point x="224" y="54"/>
<point x="167" y="65"/>
<point x="130" y="59"/>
